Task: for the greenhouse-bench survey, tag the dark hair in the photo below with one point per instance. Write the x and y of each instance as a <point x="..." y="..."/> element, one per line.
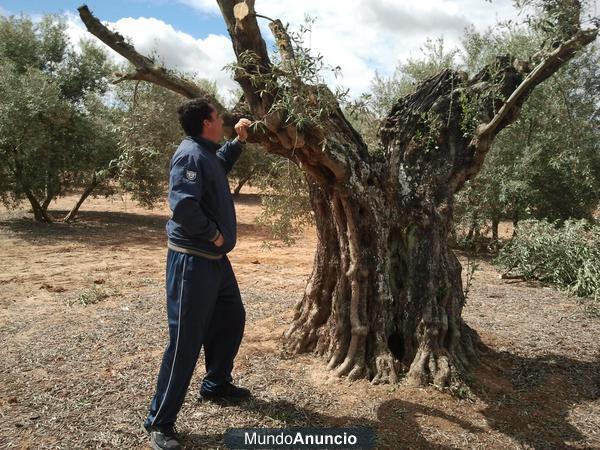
<point x="192" y="115"/>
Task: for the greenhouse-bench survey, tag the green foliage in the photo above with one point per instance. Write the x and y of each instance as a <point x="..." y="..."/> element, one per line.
<point x="254" y="165"/>
<point x="54" y="135"/>
<point x="285" y="200"/>
<point x="298" y="85"/>
<point x="435" y="58"/>
<point x="148" y="133"/>
<point x="89" y="296"/>
<point x="84" y="73"/>
<point x="32" y="114"/>
<point x="568" y="256"/>
<point x="481" y="49"/>
<point x="468" y="119"/>
<point x="547" y="164"/>
<point x="555" y="19"/>
<point x="427" y="130"/>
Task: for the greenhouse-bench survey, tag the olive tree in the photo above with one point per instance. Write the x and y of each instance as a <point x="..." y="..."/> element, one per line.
<point x="52" y="133"/>
<point x="385" y="296"/>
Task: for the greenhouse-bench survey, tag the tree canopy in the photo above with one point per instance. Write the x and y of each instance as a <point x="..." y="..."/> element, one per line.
<point x="53" y="127"/>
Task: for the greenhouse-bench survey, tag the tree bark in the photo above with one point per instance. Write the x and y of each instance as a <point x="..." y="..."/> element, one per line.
<point x="495" y="226"/>
<point x="515" y="219"/>
<point x="385" y="294"/>
<point x="39" y="214"/>
<point x="385" y="298"/>
<point x="86" y="193"/>
<point x="241" y="183"/>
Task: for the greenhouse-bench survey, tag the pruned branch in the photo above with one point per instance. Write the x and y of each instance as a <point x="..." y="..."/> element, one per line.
<point x="246" y="38"/>
<point x="113" y="39"/>
<point x="282" y="38"/>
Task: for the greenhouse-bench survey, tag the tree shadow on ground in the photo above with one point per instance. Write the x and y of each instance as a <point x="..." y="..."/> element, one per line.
<point x="247" y="199"/>
<point x="94" y="228"/>
<point x="527" y="399"/>
<point x="530" y="399"/>
<point x="396" y="425"/>
<point x="108" y="228"/>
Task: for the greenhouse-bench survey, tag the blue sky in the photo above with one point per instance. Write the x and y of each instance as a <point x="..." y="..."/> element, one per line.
<point x="361" y="36"/>
<point x="183" y="17"/>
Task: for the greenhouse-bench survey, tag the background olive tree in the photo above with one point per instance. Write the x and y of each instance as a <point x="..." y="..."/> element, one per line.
<point x="54" y="132"/>
<point x="547" y="164"/>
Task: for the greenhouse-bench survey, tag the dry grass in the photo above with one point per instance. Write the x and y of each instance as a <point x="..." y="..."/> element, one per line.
<point x="82" y="323"/>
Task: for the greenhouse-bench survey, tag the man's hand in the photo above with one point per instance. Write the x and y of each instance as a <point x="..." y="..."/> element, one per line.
<point x="241" y="128"/>
<point x="219" y="241"/>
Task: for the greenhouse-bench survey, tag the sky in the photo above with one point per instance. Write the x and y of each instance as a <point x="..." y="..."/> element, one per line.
<point x="360" y="36"/>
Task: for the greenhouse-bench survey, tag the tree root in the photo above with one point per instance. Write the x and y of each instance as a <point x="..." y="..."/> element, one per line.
<point x="429" y="367"/>
<point x="388" y="370"/>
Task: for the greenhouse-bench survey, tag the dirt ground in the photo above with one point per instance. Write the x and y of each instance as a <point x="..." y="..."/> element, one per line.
<point x="82" y="326"/>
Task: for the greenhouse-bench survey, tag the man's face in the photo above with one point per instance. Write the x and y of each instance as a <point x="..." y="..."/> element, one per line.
<point x="213" y="128"/>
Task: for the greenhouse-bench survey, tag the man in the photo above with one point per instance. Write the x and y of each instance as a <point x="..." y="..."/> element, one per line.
<point x="204" y="306"/>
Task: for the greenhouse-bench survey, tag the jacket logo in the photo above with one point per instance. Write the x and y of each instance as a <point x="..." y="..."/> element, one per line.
<point x="190" y="175"/>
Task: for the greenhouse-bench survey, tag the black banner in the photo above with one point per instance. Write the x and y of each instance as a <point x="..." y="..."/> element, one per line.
<point x="300" y="438"/>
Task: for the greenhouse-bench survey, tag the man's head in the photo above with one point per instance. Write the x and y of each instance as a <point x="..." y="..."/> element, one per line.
<point x="199" y="118"/>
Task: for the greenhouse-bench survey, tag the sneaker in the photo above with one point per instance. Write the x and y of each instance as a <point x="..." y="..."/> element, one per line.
<point x="228" y="392"/>
<point x="163" y="438"/>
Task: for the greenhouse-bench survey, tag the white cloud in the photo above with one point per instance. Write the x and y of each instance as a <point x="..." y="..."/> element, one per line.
<point x="364" y="35"/>
<point x="360" y="36"/>
<point x="207" y="6"/>
<point x="75" y="29"/>
<point x="174" y="49"/>
<point x="4" y="12"/>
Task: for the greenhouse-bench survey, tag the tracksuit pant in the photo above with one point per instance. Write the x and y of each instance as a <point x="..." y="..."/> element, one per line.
<point x="204" y="308"/>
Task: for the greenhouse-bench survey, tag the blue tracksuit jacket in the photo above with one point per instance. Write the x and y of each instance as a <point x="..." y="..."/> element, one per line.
<point x="199" y="196"/>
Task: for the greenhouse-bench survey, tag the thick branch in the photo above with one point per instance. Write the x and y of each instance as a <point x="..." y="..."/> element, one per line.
<point x="146" y="70"/>
<point x="310" y="150"/>
<point x="545" y="69"/>
<point x="508" y="113"/>
<point x="246" y="38"/>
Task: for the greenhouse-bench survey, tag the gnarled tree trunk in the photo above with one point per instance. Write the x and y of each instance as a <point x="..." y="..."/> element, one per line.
<point x="385" y="297"/>
<point x="385" y="294"/>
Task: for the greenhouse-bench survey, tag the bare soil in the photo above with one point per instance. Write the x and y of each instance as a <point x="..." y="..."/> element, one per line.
<point x="83" y="327"/>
